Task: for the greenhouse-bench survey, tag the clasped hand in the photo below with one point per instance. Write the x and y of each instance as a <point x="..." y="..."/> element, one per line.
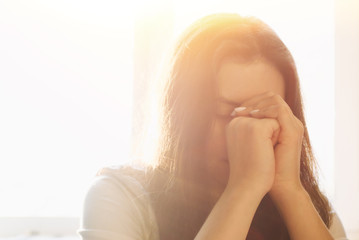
<point x="285" y="135"/>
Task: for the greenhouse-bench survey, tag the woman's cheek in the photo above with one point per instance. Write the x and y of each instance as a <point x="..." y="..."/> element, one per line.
<point x="216" y="144"/>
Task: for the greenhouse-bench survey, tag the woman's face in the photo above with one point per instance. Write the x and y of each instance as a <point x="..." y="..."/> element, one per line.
<point x="236" y="82"/>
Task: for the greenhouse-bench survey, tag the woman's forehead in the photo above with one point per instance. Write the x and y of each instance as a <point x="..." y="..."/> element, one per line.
<point x="237" y="82"/>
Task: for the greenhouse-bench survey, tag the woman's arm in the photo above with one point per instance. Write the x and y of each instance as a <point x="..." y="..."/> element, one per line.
<point x="292" y="201"/>
<point x="251" y="174"/>
<point x="301" y="218"/>
<point x="232" y="215"/>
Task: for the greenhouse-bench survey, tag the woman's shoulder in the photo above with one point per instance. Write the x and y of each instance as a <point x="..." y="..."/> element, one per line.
<point x="130" y="177"/>
<point x="117" y="204"/>
<point x="123" y="182"/>
<point x="336" y="228"/>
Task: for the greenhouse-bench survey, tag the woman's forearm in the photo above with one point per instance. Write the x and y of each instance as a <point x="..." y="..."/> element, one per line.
<point x="301" y="218"/>
<point x="231" y="216"/>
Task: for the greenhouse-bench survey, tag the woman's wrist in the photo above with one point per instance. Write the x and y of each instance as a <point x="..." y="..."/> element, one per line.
<point x="251" y="190"/>
<point x="301" y="218"/>
<point x="232" y="214"/>
<point x="282" y="193"/>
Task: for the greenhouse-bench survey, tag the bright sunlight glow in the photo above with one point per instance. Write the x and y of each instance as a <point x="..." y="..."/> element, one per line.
<point x="66" y="86"/>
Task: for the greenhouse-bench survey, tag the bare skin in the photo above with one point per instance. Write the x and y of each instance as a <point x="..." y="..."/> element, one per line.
<point x="253" y="153"/>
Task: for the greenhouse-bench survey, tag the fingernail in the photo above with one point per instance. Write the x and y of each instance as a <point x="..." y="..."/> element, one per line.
<point x="238" y="109"/>
<point x="254" y="111"/>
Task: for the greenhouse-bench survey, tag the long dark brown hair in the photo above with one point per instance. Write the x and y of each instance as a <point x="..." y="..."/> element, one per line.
<point x="186" y="116"/>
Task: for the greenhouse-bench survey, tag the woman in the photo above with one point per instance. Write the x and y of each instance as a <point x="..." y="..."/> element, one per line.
<point x="234" y="159"/>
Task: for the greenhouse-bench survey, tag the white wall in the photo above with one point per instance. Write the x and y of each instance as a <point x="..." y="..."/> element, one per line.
<point x="347" y="114"/>
<point x="65" y="100"/>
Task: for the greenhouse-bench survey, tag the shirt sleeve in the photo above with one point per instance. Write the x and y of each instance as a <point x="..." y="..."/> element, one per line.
<point x="337" y="228"/>
<point x="115" y="208"/>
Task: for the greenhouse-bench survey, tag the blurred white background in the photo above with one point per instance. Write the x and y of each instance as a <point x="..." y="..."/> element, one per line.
<point x="73" y="75"/>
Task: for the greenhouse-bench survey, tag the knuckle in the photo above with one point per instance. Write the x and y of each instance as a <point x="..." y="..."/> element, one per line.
<point x="298" y="131"/>
<point x="270" y="93"/>
<point x="277" y="97"/>
<point x="255" y="127"/>
<point x="235" y="123"/>
<point x="282" y="108"/>
<point x="300" y="126"/>
<point x="252" y="127"/>
<point x="242" y="122"/>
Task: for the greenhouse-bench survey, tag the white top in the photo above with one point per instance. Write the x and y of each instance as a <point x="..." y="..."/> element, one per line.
<point x="119" y="208"/>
